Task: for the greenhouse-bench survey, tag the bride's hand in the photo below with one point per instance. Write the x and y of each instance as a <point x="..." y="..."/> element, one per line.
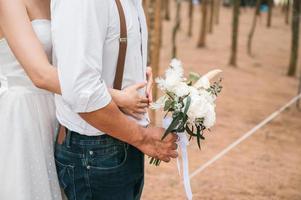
<point x="131" y="102"/>
<point x="149" y="86"/>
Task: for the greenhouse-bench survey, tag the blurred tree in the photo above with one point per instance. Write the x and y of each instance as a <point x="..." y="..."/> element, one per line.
<point x="202" y="36"/>
<point x="190" y="18"/>
<point x="217" y="11"/>
<point x="149" y="19"/>
<point x="211" y="16"/>
<point x="299" y="92"/>
<point x="166" y="9"/>
<point x="155" y="25"/>
<point x="252" y="31"/>
<point x="287" y="11"/>
<point x="176" y="29"/>
<point x="155" y="53"/>
<point x="295" y="38"/>
<point x="235" y="24"/>
<point x="270" y="11"/>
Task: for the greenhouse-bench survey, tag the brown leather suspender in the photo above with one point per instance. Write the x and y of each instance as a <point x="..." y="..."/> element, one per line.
<point x="122" y="48"/>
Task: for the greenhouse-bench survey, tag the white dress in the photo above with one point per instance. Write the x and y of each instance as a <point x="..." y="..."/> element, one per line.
<point x="27" y="129"/>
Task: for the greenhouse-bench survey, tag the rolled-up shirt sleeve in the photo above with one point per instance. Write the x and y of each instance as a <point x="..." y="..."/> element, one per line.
<point x="79" y="30"/>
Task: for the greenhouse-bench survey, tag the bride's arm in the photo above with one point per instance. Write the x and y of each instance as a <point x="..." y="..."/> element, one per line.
<point x="17" y="29"/>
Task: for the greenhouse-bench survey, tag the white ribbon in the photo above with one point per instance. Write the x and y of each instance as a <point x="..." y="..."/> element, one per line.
<point x="182" y="147"/>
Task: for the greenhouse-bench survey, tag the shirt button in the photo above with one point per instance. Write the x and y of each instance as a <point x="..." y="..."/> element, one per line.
<point x="88" y="167"/>
<point x="91" y="153"/>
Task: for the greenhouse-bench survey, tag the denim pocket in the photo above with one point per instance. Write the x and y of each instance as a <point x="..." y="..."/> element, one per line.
<point x="109" y="157"/>
<point x="66" y="178"/>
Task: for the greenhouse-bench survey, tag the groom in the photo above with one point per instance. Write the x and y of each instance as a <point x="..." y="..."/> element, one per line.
<point x="99" y="152"/>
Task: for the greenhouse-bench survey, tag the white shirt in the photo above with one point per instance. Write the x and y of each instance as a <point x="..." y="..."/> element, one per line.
<point x="86" y="44"/>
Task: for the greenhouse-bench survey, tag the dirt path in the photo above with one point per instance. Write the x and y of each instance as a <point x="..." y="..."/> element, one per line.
<point x="267" y="165"/>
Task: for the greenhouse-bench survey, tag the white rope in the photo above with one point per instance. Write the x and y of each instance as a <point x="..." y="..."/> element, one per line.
<point x="245" y="136"/>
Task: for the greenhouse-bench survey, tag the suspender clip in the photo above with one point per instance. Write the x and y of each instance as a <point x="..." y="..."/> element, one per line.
<point x="123" y="40"/>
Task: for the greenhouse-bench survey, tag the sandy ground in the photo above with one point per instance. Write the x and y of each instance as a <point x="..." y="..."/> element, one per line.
<point x="268" y="164"/>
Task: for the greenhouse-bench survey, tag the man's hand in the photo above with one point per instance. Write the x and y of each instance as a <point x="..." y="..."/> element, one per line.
<point x="113" y="122"/>
<point x="153" y="146"/>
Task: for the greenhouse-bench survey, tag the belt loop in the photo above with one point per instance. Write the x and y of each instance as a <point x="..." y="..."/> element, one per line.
<point x="68" y="138"/>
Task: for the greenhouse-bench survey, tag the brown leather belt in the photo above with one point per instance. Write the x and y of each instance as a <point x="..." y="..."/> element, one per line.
<point x="62" y="133"/>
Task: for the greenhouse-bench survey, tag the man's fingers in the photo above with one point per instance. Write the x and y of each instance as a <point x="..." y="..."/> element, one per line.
<point x="173" y="154"/>
<point x="172" y="137"/>
<point x="168" y="155"/>
<point x="165" y="159"/>
<point x="174" y="146"/>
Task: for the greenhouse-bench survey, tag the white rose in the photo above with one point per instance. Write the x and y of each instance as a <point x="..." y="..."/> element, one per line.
<point x="181" y="89"/>
<point x="193" y="91"/>
<point x="172" y="81"/>
<point x="176" y="68"/>
<point x="176" y="63"/>
<point x="210" y="117"/>
<point x="198" y="107"/>
<point x="209" y="97"/>
<point x="202" y="83"/>
<point x="161" y="83"/>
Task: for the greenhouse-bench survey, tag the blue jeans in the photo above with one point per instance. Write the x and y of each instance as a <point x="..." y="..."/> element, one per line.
<point x="99" y="168"/>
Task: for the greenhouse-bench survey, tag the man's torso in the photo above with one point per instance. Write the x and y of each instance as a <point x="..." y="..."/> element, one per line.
<point x="135" y="63"/>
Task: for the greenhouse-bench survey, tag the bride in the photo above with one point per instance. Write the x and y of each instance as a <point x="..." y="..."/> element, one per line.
<point x="27" y="111"/>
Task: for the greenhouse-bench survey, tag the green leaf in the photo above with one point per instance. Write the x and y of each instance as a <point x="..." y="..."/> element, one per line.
<point x="193" y="77"/>
<point x="168" y="104"/>
<point x="187" y="105"/>
<point x="198" y="137"/>
<point x="190" y="132"/>
<point x="173" y="125"/>
<point x="181" y="127"/>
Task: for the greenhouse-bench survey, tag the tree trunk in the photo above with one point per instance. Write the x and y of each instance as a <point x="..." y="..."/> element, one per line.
<point x="155" y="49"/>
<point x="166" y="9"/>
<point x="202" y="37"/>
<point x="252" y="31"/>
<point x="299" y="92"/>
<point x="217" y="11"/>
<point x="212" y="2"/>
<point x="176" y="29"/>
<point x="287" y="12"/>
<point x="295" y="38"/>
<point x="270" y="11"/>
<point x="235" y="24"/>
<point x="190" y="17"/>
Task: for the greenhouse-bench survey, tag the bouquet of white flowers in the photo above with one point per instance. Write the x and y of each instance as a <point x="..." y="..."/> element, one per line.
<point x="190" y="102"/>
